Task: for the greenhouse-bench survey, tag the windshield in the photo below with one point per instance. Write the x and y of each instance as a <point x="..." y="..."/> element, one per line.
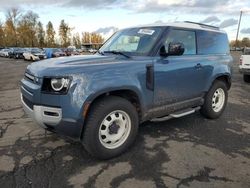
<point x="57" y="50"/>
<point x="134" y="41"/>
<point x="17" y="49"/>
<point x="36" y="51"/>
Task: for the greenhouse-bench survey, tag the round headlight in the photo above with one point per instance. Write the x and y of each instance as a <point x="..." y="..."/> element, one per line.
<point x="58" y="84"/>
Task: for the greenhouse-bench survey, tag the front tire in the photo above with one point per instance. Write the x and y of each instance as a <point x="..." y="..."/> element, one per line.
<point x="111" y="127"/>
<point x="246" y="78"/>
<point x="215" y="100"/>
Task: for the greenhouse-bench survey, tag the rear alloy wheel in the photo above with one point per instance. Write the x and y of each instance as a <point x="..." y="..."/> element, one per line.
<point x="111" y="127"/>
<point x="218" y="100"/>
<point x="215" y="100"/>
<point x="246" y="78"/>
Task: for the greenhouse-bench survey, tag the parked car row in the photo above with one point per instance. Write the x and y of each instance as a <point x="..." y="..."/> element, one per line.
<point x="72" y="51"/>
<point x="4" y="53"/>
<point x="35" y="54"/>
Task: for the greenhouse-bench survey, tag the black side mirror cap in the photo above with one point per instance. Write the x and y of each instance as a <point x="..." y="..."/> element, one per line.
<point x="176" y="49"/>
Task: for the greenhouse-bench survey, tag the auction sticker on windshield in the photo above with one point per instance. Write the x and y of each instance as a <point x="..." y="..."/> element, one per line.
<point x="146" y="31"/>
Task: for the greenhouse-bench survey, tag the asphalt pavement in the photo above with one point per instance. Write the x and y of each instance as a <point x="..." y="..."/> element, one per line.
<point x="188" y="152"/>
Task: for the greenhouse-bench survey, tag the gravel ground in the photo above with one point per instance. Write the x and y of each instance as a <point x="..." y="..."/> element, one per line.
<point x="187" y="152"/>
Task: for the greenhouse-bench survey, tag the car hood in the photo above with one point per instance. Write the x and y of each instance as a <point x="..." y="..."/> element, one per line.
<point x="71" y="65"/>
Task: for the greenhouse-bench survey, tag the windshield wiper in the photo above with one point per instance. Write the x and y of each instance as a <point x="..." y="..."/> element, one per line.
<point x="117" y="52"/>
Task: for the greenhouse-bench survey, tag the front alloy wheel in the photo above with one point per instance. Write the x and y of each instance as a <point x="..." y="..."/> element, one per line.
<point x="115" y="129"/>
<point x="111" y="127"/>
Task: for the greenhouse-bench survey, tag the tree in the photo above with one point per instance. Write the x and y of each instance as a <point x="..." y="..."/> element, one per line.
<point x="89" y="38"/>
<point x="96" y="38"/>
<point x="245" y="42"/>
<point x="232" y="43"/>
<point x="40" y="34"/>
<point x="50" y="35"/>
<point x="27" y="27"/>
<point x="77" y="40"/>
<point x="2" y="35"/>
<point x="24" y="29"/>
<point x="86" y="38"/>
<point x="64" y="33"/>
<point x="10" y="27"/>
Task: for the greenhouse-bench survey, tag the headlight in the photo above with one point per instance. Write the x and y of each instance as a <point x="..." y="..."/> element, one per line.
<point x="58" y="84"/>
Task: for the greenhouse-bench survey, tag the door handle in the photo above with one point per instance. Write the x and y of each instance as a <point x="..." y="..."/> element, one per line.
<point x="198" y="66"/>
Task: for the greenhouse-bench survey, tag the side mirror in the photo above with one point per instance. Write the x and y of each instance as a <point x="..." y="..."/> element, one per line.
<point x="176" y="49"/>
<point x="163" y="52"/>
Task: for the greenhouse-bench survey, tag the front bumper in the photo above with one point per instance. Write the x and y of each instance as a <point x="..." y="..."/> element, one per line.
<point x="52" y="112"/>
<point x="35" y="58"/>
<point x="43" y="115"/>
<point x="51" y="119"/>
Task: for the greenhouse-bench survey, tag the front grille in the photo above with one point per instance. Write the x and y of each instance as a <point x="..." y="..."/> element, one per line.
<point x="28" y="102"/>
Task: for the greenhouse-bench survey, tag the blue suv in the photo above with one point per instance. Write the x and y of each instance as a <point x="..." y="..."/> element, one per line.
<point x="152" y="72"/>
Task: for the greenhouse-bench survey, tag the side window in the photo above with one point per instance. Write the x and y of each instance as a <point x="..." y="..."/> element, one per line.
<point x="212" y="43"/>
<point x="186" y="37"/>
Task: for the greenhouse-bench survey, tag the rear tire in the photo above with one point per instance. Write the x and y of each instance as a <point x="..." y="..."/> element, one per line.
<point x="215" y="100"/>
<point x="111" y="127"/>
<point x="246" y="78"/>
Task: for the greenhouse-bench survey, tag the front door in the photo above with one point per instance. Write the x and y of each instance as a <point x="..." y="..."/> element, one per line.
<point x="179" y="78"/>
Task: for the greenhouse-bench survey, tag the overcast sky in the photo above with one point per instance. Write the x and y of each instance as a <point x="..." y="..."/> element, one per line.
<point x="102" y="15"/>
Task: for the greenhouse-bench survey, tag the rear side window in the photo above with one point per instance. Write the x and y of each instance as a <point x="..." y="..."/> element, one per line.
<point x="212" y="43"/>
<point x="184" y="36"/>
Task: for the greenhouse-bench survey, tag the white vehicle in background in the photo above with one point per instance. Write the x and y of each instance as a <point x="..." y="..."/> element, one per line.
<point x="92" y="50"/>
<point x="4" y="52"/>
<point x="245" y="65"/>
<point x="34" y="54"/>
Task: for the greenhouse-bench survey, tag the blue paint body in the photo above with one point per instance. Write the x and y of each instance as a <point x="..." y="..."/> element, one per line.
<point x="176" y="79"/>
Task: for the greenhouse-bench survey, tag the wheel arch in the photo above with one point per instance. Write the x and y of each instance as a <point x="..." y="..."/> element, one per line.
<point x="129" y="93"/>
<point x="226" y="78"/>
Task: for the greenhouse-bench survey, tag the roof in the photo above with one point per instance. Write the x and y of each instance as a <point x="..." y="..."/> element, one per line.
<point x="188" y="25"/>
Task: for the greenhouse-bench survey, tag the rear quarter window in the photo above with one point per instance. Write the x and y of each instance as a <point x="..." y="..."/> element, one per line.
<point x="210" y="42"/>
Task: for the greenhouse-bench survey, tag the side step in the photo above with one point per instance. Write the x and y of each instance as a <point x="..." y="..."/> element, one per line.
<point x="177" y="114"/>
